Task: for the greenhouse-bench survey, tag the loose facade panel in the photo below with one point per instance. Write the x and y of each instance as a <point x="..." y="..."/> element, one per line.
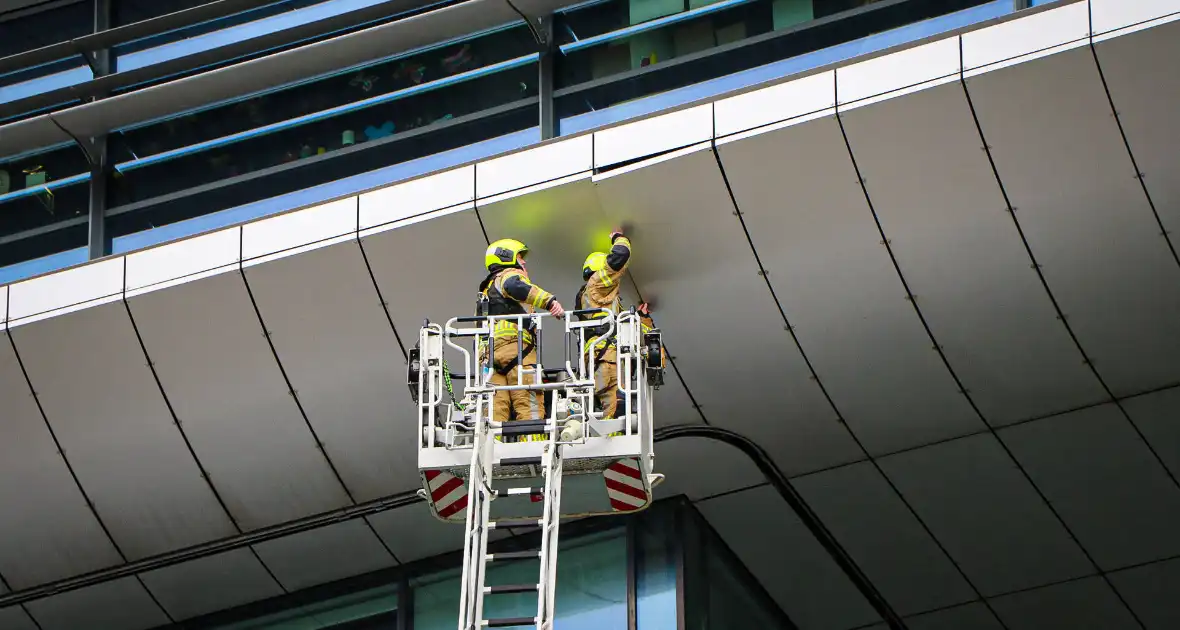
<point x="732" y="346"/>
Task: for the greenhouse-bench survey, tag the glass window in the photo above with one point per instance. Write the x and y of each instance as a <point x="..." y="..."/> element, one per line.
<point x="620" y="50"/>
<point x="720" y="593"/>
<point x="591" y="588"/>
<point x="131" y="11"/>
<point x="656" y="567"/>
<point x="44" y="204"/>
<point x="31" y="29"/>
<point x="36" y="28"/>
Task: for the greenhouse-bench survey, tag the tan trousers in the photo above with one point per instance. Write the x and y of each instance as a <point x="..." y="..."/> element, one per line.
<point x="606" y="382"/>
<point x="529" y="405"/>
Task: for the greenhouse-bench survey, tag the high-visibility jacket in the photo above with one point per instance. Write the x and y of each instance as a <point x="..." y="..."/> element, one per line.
<point x="601" y="290"/>
<point x="510" y="292"/>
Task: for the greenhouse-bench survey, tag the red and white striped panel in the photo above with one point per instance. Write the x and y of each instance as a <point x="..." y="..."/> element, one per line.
<point x="447" y="493"/>
<point x="624" y="486"/>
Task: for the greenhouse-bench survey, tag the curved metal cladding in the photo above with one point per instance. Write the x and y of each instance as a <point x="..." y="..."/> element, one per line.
<point x="937" y="287"/>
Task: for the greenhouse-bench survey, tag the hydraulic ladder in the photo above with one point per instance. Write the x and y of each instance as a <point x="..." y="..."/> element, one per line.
<point x="465" y="458"/>
<point x="479" y="526"/>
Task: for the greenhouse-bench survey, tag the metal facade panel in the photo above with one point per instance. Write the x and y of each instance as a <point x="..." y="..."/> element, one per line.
<point x="1066" y="170"/>
<point x="417" y="196"/>
<point x="47" y="532"/>
<point x="119" y="605"/>
<point x="67" y="289"/>
<point x="945" y="216"/>
<point x="210" y="584"/>
<point x="904" y="69"/>
<point x="787" y="560"/>
<point x="1151" y="592"/>
<point x="99" y="394"/>
<point x="1145" y="92"/>
<point x="653" y="135"/>
<point x="1088" y="604"/>
<point x="701" y="467"/>
<point x="1105" y="483"/>
<point x="325" y="554"/>
<point x="453" y="243"/>
<point x="833" y="276"/>
<point x="411" y="533"/>
<point x="884" y="538"/>
<point x="986" y="514"/>
<point x="533" y="166"/>
<point x="726" y="333"/>
<point x="969" y="617"/>
<point x="15" y="618"/>
<point x="301" y="227"/>
<point x="1109" y="15"/>
<point x="344" y="362"/>
<point x="183" y="259"/>
<point x="1155" y="415"/>
<point x="230" y="397"/>
<point x="802" y="96"/>
<point x="1029" y="35"/>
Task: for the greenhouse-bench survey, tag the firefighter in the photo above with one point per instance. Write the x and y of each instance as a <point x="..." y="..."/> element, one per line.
<point x="508" y="291"/>
<point x="602" y="273"/>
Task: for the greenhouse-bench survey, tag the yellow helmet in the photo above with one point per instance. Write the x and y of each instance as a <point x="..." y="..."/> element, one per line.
<point x="594" y="262"/>
<point x="505" y="252"/>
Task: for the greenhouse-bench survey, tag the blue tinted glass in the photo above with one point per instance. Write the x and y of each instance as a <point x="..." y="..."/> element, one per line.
<point x="591" y="588"/>
<point x="44" y="206"/>
<point x="613" y="56"/>
<point x="656" y="567"/>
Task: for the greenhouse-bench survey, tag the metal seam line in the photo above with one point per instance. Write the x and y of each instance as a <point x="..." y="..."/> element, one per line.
<point x="884" y="609"/>
<point x="1061" y="317"/>
<point x="291" y="387"/>
<point x="367" y="508"/>
<point x="61" y="451"/>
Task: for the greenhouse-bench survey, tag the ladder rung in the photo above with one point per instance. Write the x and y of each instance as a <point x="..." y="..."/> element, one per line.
<point x="515" y="522"/>
<point x="510" y="588"/>
<point x="520" y="461"/>
<point x="513" y="555"/>
<point x="509" y="622"/>
<point x="515" y="492"/>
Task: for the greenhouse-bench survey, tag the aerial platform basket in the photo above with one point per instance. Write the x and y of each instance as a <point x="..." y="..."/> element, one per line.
<point x="606" y="463"/>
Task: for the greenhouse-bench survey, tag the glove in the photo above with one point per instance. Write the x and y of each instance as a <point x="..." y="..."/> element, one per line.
<point x="615" y="234"/>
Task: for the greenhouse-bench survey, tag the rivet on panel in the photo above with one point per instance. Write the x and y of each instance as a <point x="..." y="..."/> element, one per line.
<point x="1139" y="175"/>
<point x="737" y="213"/>
<point x="910" y="298"/>
<point x="1035" y="266"/>
<point x="789" y="328"/>
<point x="763" y="272"/>
<point x="887" y="242"/>
<point x="294" y="393"/>
<point x="813" y="378"/>
<point x="964" y="391"/>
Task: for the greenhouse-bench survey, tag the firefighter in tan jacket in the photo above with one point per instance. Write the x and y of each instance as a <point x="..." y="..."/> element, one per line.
<point x="603" y="273"/>
<point x="510" y="292"/>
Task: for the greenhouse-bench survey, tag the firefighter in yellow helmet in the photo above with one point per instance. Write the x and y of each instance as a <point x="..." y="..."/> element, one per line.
<point x="509" y="291"/>
<point x="603" y="273"/>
